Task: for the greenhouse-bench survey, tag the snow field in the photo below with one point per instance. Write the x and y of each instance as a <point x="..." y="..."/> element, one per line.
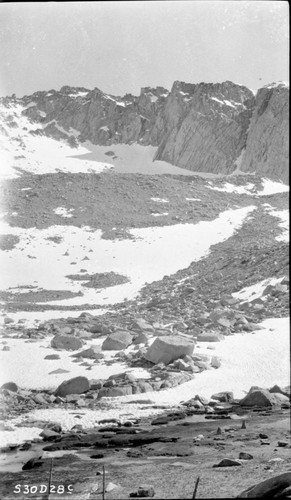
<point x="145" y="259"/>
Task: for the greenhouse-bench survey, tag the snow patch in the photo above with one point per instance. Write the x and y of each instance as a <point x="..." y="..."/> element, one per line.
<point x="78" y="94"/>
<point x="283" y="215"/>
<point x="272" y="187"/>
<point x="252" y="292"/>
<point x="160" y="200"/>
<point x="231" y="188"/>
<point x="278" y="84"/>
<point x="64" y="212"/>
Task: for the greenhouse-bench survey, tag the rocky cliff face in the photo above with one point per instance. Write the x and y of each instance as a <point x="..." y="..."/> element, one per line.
<point x="209" y="132"/>
<point x="267" y="147"/>
<point x="202" y="127"/>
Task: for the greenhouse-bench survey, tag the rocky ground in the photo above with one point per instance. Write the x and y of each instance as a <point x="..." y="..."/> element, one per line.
<point x="116" y="203"/>
<point x="195" y="304"/>
<point x="109" y="200"/>
<point x="228" y="456"/>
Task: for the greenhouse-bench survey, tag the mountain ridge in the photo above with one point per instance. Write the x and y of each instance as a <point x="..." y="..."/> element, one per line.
<point x="204" y="127"/>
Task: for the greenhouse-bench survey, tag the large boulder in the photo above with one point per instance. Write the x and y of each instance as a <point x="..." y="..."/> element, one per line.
<point x="281" y="390"/>
<point x="270" y="488"/>
<point x="66" y="342"/>
<point x="11" y="386"/>
<point x="167" y="349"/>
<point x="117" y="341"/>
<point x="76" y="385"/>
<point x="263" y="398"/>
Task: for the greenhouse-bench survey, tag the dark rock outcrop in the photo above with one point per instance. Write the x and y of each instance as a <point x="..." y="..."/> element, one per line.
<point x="267" y="146"/>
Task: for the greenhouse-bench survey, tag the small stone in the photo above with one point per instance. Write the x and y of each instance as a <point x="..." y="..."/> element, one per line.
<point x="227" y="462"/>
<point x="282" y="444"/>
<point x="97" y="456"/>
<point x="32" y="463"/>
<point x="215" y="362"/>
<point x="143" y="492"/>
<point x="52" y="356"/>
<point x="245" y="456"/>
<point x="58" y="371"/>
<point x="263" y="436"/>
<point x="110" y="487"/>
<point x="49" y="435"/>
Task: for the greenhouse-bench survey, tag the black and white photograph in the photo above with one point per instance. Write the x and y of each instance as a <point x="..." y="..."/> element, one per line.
<point x="144" y="250"/>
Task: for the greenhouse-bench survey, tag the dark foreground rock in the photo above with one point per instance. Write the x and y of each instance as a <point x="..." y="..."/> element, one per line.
<point x="275" y="487"/>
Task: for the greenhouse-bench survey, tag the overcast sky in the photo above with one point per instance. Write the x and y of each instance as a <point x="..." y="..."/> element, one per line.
<point x="120" y="47"/>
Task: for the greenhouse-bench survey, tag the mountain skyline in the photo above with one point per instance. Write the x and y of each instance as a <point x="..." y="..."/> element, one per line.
<point x="121" y="48"/>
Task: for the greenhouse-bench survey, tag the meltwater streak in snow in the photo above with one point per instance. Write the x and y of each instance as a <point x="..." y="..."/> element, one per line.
<point x="156" y="252"/>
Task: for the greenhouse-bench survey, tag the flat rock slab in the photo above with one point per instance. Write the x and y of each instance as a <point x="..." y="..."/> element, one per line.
<point x="117" y="341"/>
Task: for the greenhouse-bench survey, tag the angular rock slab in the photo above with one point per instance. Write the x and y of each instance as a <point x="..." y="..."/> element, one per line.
<point x="76" y="385"/>
<point x="117" y="341"/>
<point x="167" y="349"/>
<point x="92" y="352"/>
